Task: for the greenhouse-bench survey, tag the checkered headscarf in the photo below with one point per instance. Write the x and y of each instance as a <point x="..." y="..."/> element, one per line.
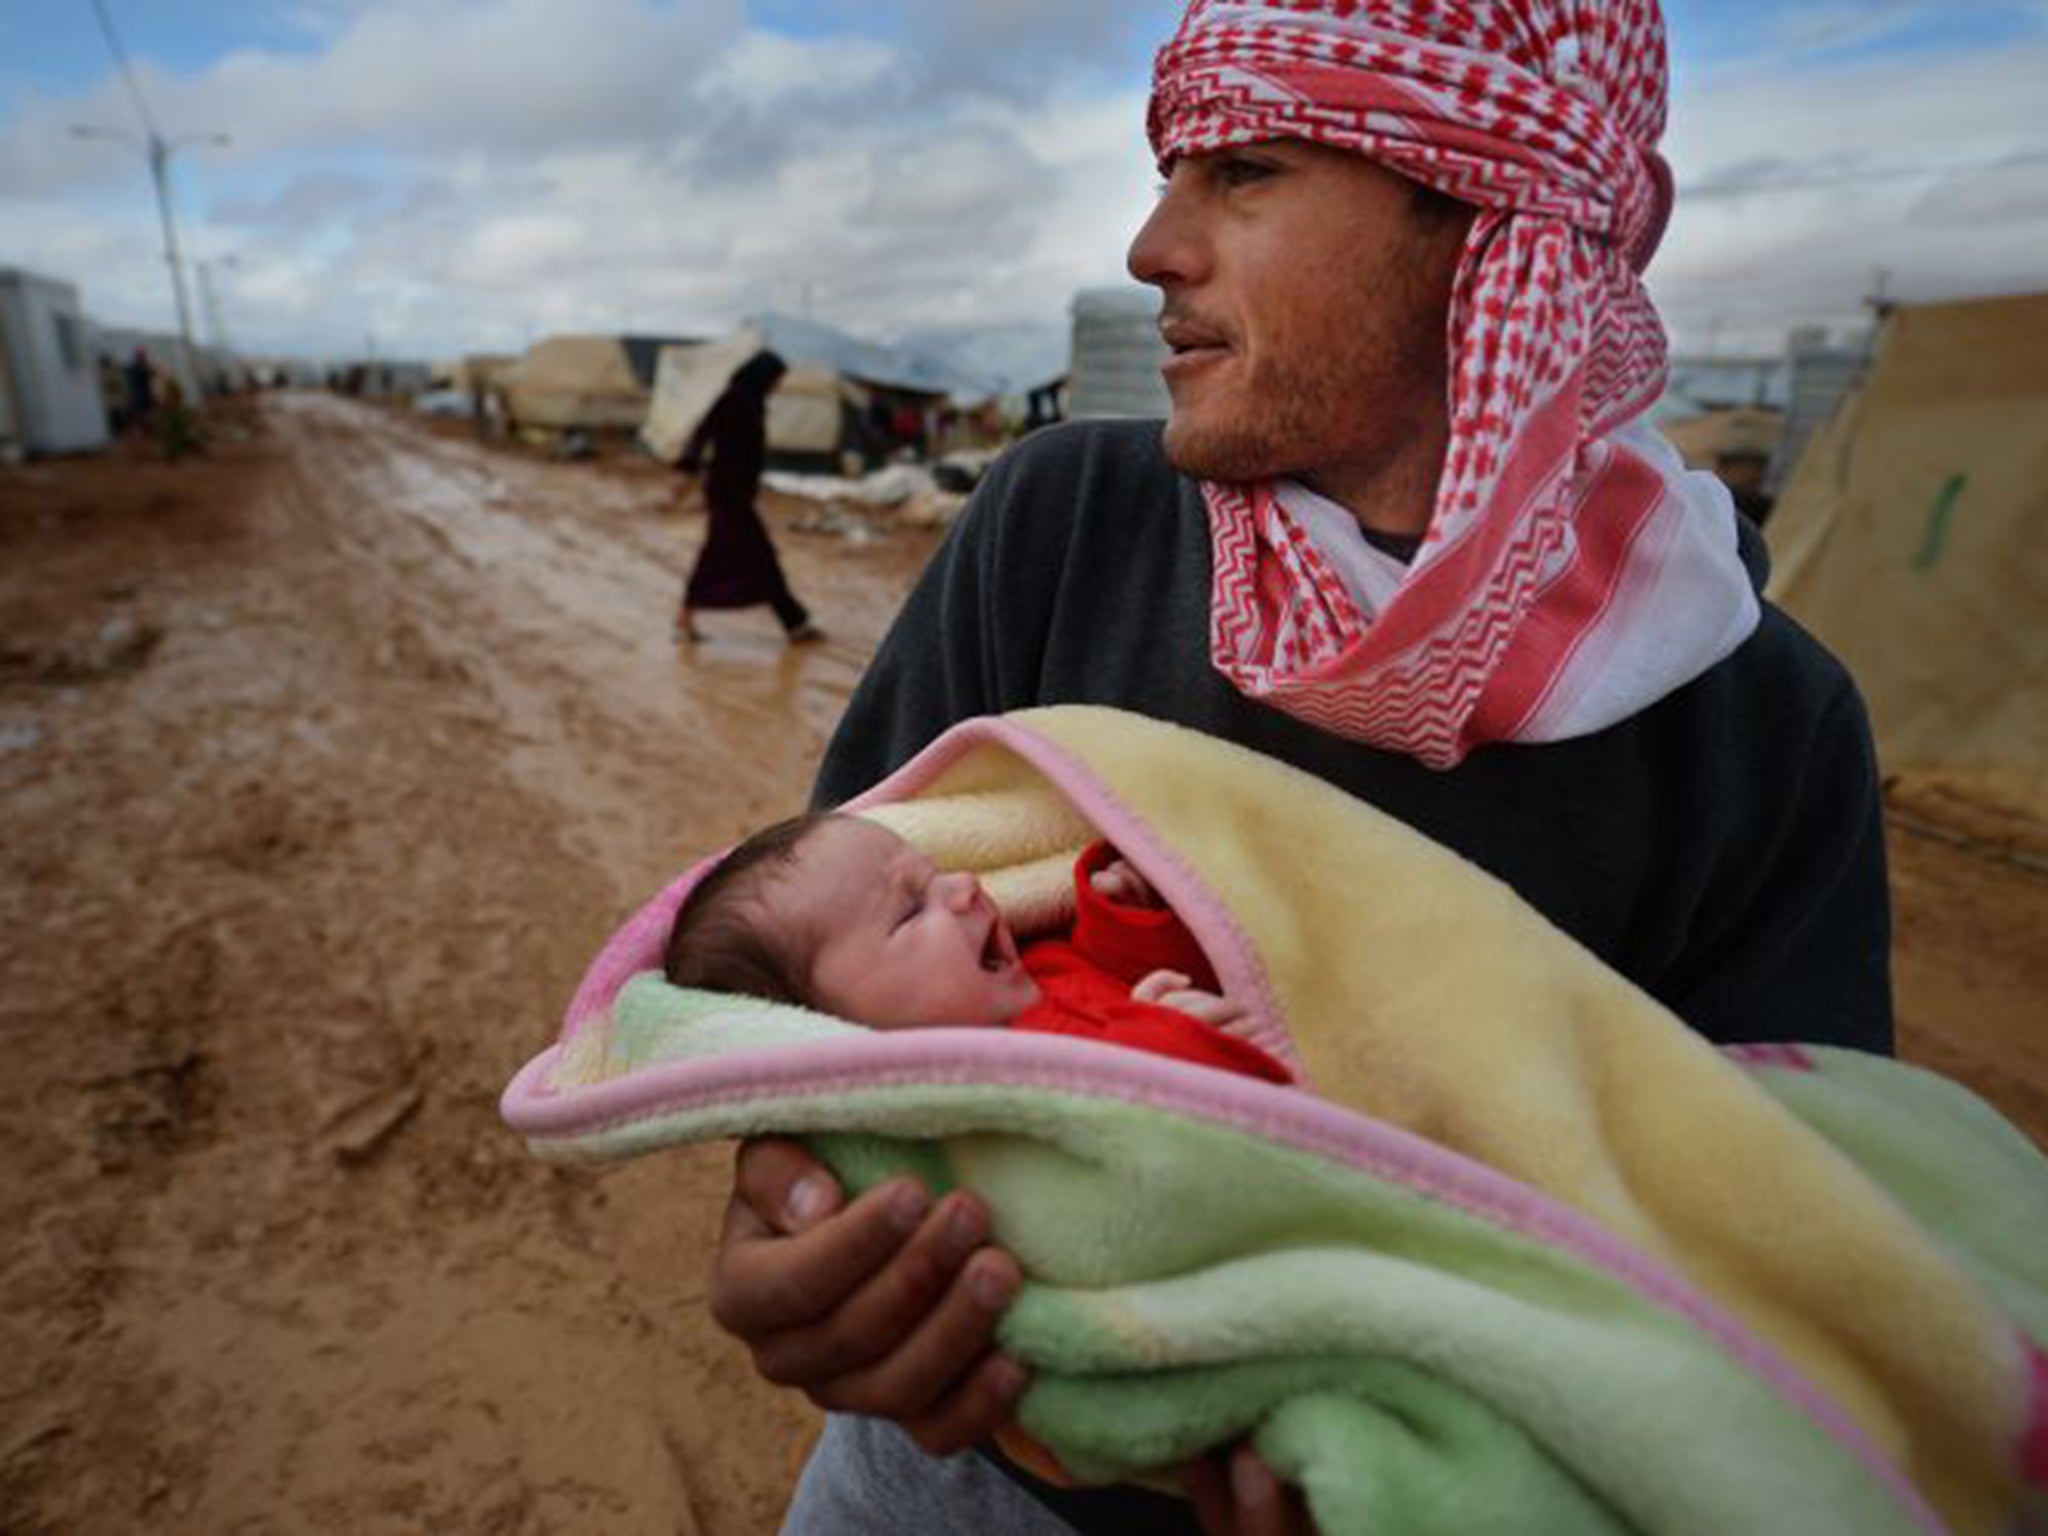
<point x="1550" y="532"/>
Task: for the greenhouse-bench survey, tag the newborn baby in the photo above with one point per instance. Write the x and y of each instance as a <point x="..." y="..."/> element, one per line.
<point x="838" y="914"/>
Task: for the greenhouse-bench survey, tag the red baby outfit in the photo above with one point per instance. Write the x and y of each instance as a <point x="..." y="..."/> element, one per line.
<point x="1085" y="982"/>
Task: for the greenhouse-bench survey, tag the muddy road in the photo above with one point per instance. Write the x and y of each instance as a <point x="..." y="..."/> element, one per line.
<point x="325" y="765"/>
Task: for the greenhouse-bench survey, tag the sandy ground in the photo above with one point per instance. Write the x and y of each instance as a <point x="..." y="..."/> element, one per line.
<point x="325" y="764"/>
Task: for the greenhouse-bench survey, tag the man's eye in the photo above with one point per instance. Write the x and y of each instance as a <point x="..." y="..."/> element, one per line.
<point x="1236" y="171"/>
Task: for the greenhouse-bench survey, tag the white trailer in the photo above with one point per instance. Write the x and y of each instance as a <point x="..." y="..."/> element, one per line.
<point x="48" y="375"/>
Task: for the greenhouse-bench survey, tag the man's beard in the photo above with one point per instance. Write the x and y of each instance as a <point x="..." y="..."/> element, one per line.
<point x="1356" y="394"/>
<point x="1362" y="406"/>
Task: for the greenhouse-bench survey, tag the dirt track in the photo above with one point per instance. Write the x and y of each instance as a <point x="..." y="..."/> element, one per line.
<point x="292" y="890"/>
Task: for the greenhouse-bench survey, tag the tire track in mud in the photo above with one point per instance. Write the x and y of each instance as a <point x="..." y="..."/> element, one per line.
<point x="545" y="591"/>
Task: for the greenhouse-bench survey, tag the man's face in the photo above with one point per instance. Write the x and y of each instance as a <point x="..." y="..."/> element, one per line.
<point x="894" y="942"/>
<point x="1305" y="306"/>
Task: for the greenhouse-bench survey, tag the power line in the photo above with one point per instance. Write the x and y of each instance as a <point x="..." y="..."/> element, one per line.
<point x="157" y="150"/>
<point x="99" y="9"/>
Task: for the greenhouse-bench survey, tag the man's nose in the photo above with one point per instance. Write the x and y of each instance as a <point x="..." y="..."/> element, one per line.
<point x="1167" y="248"/>
<point x="958" y="890"/>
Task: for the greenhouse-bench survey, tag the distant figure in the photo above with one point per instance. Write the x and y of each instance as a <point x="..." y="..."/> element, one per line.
<point x="141" y="389"/>
<point x="113" y="384"/>
<point x="737" y="567"/>
<point x="177" y="431"/>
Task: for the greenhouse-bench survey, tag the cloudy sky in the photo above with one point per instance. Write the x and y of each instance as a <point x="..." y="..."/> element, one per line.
<point x="433" y="176"/>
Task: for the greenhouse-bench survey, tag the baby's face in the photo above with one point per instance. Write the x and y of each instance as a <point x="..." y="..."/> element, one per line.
<point x="892" y="941"/>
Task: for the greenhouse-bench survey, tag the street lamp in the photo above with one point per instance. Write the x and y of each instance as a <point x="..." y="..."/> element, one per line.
<point x="158" y="150"/>
<point x="209" y="295"/>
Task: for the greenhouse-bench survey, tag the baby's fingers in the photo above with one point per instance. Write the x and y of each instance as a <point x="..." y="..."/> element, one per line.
<point x="1159" y="986"/>
<point x="1218" y="1012"/>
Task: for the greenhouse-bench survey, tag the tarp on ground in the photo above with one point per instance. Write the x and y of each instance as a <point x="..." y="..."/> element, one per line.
<point x="806" y="414"/>
<point x="1913" y="539"/>
<point x="573" y="381"/>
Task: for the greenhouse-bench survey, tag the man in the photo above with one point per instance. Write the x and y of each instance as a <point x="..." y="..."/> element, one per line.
<point x="1406" y="530"/>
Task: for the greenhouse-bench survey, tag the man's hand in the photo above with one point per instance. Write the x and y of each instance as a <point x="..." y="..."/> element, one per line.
<point x="885" y="1307"/>
<point x="1235" y="1494"/>
<point x="1170" y="989"/>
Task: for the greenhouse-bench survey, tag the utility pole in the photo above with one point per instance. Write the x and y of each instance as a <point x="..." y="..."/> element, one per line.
<point x="209" y="299"/>
<point x="158" y="150"/>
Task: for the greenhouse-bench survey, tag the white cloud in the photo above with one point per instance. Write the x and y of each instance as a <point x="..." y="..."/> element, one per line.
<point x="466" y="174"/>
<point x="1842" y="167"/>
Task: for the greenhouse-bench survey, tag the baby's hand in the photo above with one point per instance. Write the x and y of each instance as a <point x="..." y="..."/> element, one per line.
<point x="1170" y="989"/>
<point x="1117" y="881"/>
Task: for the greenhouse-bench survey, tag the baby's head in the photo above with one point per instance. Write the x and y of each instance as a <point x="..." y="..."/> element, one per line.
<point x="835" y="913"/>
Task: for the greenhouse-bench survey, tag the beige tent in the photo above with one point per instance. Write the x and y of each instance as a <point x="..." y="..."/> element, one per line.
<point x="1913" y="539"/>
<point x="807" y="413"/>
<point x="573" y="381"/>
<point x="471" y="371"/>
<point x="687" y="383"/>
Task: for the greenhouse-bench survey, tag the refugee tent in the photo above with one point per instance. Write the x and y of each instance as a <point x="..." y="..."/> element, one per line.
<point x="882" y="398"/>
<point x="50" y="399"/>
<point x="833" y="410"/>
<point x="573" y="381"/>
<point x="1913" y="539"/>
<point x="687" y="382"/>
<point x="817" y="416"/>
<point x="814" y="415"/>
<point x="471" y="372"/>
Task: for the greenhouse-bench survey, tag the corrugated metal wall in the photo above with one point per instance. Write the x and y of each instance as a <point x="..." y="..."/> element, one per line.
<point x="1117" y="353"/>
<point x="1822" y="373"/>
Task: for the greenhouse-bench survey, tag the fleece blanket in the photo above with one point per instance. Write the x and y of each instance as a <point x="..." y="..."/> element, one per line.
<point x="1518" y="1251"/>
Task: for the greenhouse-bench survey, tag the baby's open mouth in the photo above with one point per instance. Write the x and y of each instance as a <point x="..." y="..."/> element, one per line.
<point x="995" y="954"/>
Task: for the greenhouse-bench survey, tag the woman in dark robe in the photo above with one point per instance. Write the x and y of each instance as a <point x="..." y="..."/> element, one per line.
<point x="737" y="567"/>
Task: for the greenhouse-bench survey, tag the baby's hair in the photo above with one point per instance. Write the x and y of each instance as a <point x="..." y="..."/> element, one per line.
<point x="722" y="940"/>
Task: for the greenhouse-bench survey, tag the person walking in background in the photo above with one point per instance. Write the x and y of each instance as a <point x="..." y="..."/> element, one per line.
<point x="141" y="377"/>
<point x="737" y="567"/>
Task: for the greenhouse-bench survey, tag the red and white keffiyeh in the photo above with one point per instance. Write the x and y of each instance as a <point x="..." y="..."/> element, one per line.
<point x="1573" y="572"/>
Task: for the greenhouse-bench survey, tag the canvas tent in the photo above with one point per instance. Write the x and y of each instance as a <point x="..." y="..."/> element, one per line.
<point x="471" y="372"/>
<point x="1913" y="539"/>
<point x="573" y="381"/>
<point x="49" y="380"/>
<point x="818" y="416"/>
<point x="687" y="382"/>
